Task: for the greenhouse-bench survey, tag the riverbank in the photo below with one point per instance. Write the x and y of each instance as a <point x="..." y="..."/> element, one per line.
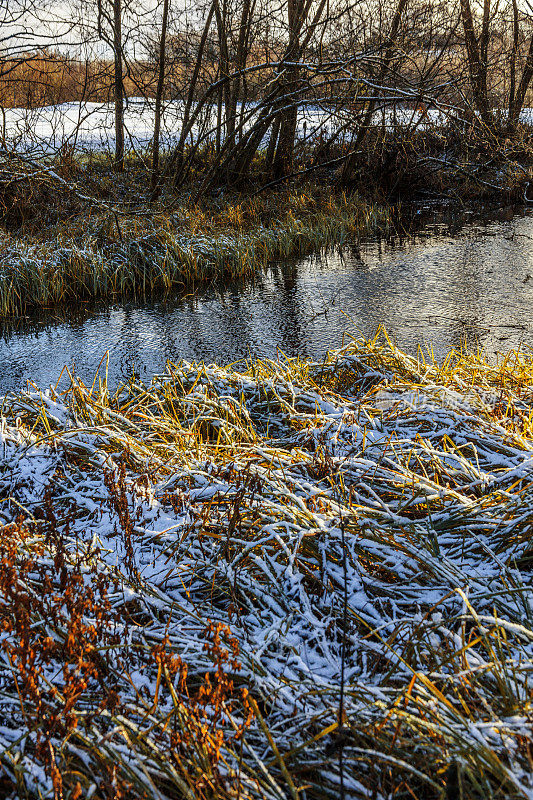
<point x="104" y="253"/>
<point x="75" y="230"/>
<point x="299" y="580"/>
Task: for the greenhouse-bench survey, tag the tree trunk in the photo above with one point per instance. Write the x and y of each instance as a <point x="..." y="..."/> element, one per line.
<point x="118" y="86"/>
<point x="512" y="65"/>
<point x="523" y="86"/>
<point x="240" y="64"/>
<point x="476" y="52"/>
<point x="221" y="17"/>
<point x="283" y="160"/>
<point x="159" y="95"/>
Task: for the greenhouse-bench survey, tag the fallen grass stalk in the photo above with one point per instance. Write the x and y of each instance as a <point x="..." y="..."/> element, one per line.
<point x="186" y="565"/>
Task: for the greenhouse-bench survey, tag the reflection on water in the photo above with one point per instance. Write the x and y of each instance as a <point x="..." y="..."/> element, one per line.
<point x="442" y="287"/>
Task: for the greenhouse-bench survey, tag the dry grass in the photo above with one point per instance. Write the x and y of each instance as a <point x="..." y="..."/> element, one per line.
<point x="189" y="568"/>
<point x="106" y="255"/>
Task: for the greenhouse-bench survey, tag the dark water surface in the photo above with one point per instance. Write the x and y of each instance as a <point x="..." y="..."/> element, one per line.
<point x="444" y="286"/>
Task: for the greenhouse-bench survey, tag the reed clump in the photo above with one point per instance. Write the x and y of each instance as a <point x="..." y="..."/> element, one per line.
<point x="112" y="256"/>
<point x="292" y="580"/>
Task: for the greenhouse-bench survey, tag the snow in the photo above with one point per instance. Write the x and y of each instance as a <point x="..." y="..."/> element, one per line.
<point x="89" y="126"/>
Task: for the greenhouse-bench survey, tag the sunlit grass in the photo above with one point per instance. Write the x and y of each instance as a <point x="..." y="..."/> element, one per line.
<point x="271" y="528"/>
<point x="110" y="256"/>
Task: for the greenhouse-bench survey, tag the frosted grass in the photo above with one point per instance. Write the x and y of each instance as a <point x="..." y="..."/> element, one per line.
<point x="366" y="517"/>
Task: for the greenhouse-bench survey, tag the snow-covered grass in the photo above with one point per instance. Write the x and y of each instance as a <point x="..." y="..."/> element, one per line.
<point x="296" y="580"/>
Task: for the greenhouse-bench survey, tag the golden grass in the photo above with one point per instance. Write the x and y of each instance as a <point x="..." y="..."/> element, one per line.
<point x="111" y="256"/>
<point x="281" y="530"/>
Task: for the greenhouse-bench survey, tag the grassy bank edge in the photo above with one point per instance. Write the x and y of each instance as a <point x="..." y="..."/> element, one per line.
<point x="107" y="256"/>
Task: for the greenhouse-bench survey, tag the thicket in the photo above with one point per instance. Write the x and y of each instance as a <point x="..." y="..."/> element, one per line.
<point x="300" y="87"/>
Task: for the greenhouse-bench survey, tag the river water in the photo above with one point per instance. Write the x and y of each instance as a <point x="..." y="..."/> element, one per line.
<point x="454" y="282"/>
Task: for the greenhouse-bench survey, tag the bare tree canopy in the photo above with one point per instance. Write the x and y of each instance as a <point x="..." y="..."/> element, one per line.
<point x="271" y="87"/>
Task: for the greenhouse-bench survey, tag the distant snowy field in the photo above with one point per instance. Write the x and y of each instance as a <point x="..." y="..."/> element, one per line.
<point x="88" y="126"/>
<point x="85" y="126"/>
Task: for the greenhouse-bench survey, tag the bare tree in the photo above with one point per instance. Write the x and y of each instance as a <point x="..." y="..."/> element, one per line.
<point x="159" y="95"/>
<point x="110" y="31"/>
<point x="482" y="38"/>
